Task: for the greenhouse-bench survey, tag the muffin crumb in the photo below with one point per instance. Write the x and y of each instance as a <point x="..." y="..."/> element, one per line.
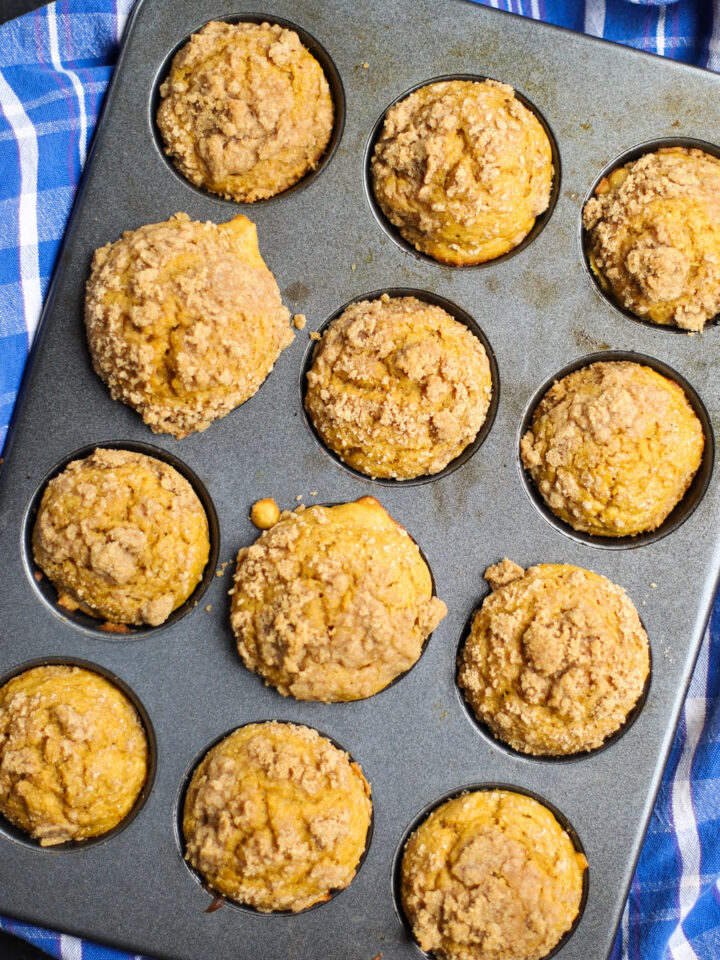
<point x="265" y="513"/>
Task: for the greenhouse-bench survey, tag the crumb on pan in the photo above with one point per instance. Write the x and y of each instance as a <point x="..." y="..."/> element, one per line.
<point x="265" y="513"/>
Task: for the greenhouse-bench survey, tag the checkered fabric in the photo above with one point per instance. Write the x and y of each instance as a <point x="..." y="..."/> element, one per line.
<point x="55" y="65"/>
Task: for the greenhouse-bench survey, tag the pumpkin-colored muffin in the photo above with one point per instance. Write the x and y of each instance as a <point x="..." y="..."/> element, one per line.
<point x="398" y="388"/>
<point x="462" y="168"/>
<point x="276" y="817"/>
<point x="653" y="236"/>
<point x="613" y="447"/>
<point x="122" y="536"/>
<point x="184" y="320"/>
<point x="556" y="658"/>
<point x="491" y="875"/>
<point x="333" y="603"/>
<point x="73" y="754"/>
<point x="246" y="110"/>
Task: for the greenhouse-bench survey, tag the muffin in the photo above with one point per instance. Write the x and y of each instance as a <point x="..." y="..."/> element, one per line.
<point x="398" y="388"/>
<point x="333" y="603"/>
<point x="653" y="236"/>
<point x="184" y="320"/>
<point x="491" y="875"/>
<point x="73" y="754"/>
<point x="122" y="536"/>
<point x="556" y="658"/>
<point x="462" y="169"/>
<point x="246" y="110"/>
<point x="613" y="447"/>
<point x="276" y="817"/>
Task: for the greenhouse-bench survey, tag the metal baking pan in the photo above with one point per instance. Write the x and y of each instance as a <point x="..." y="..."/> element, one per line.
<point x="539" y="310"/>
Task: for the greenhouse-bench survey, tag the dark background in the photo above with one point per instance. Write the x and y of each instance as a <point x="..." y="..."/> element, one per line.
<point x="13" y="8"/>
<point x="10" y="947"/>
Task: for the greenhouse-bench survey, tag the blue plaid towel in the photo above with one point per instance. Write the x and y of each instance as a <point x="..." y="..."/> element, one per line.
<point x="54" y="68"/>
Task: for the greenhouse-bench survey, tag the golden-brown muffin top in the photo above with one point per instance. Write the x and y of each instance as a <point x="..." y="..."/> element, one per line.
<point x="491" y="875"/>
<point x="462" y="168"/>
<point x="556" y="658"/>
<point x="333" y="603"/>
<point x="184" y="320"/>
<point x="122" y="536"/>
<point x="246" y="110"/>
<point x="398" y="388"/>
<point x="276" y="817"/>
<point x="73" y="754"/>
<point x="613" y="447"/>
<point x="654" y="236"/>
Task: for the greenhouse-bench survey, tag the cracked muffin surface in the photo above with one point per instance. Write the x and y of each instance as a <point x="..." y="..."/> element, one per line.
<point x="333" y="603"/>
<point x="73" y="754"/>
<point x="184" y="320"/>
<point x="122" y="536"/>
<point x="246" y="110"/>
<point x="276" y="817"/>
<point x="491" y="875"/>
<point x="613" y="447"/>
<point x="653" y="236"/>
<point x="556" y="658"/>
<point x="462" y="168"/>
<point x="398" y="388"/>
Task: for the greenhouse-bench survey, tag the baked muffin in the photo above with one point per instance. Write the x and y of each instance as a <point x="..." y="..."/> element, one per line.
<point x="73" y="754"/>
<point x="613" y="447"/>
<point x="491" y="875"/>
<point x="276" y="817"/>
<point x="398" y="388"/>
<point x="653" y="236"/>
<point x="462" y="169"/>
<point x="246" y="110"/>
<point x="333" y="603"/>
<point x="184" y="320"/>
<point x="556" y="658"/>
<point x="122" y="536"/>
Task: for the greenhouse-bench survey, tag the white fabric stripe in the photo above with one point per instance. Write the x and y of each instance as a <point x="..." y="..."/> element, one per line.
<point x="625" y="930"/>
<point x="72" y="76"/>
<point x="714" y="45"/>
<point x="27" y="206"/>
<point x="661" y="32"/>
<point x="683" y="815"/>
<point x="535" y="9"/>
<point x="594" y="17"/>
<point x="70" y="948"/>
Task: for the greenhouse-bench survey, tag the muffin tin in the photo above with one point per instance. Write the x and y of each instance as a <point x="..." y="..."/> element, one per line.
<point x="539" y="310"/>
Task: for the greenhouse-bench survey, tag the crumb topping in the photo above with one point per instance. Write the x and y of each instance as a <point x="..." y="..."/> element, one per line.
<point x="184" y="320"/>
<point x="556" y="658"/>
<point x="122" y="536"/>
<point x="276" y="817"/>
<point x="491" y="875"/>
<point x="333" y="603"/>
<point x="462" y="168"/>
<point x="654" y="236"/>
<point x="246" y="110"/>
<point x="613" y="447"/>
<point x="398" y="388"/>
<point x="73" y="754"/>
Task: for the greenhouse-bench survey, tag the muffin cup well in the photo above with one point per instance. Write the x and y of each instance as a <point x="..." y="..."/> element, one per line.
<point x="88" y="624"/>
<point x="197" y="876"/>
<point x="694" y="493"/>
<point x="392" y="231"/>
<point x="457" y="313"/>
<point x="628" y="156"/>
<point x="332" y="76"/>
<point x="11" y="832"/>
<point x="396" y="875"/>
<point x="496" y="742"/>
